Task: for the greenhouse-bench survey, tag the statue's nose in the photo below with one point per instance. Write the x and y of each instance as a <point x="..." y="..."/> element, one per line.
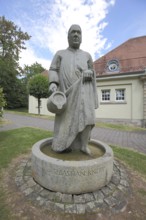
<point x="76" y="33"/>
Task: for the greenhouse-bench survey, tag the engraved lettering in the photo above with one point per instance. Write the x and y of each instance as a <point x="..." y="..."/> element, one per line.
<point x="76" y="172"/>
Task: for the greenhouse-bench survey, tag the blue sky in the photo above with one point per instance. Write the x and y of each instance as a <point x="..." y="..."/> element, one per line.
<point x="105" y="24"/>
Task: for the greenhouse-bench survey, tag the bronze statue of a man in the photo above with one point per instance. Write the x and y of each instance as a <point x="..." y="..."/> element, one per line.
<point x="71" y="72"/>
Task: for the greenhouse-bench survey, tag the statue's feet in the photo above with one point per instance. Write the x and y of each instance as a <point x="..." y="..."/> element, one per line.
<point x="68" y="150"/>
<point x="86" y="150"/>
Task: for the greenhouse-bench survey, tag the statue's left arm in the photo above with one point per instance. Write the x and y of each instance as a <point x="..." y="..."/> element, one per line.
<point x="93" y="75"/>
<point x="88" y="74"/>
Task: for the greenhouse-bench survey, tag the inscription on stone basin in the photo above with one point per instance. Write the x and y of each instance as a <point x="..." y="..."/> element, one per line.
<point x="75" y="172"/>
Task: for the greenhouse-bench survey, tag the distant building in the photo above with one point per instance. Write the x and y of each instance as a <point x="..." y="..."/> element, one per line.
<point x="121" y="80"/>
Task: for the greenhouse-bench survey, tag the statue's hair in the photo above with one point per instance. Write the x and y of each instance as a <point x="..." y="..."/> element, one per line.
<point x="72" y="27"/>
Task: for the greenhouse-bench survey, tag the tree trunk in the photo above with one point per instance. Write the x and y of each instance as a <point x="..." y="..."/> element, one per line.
<point x="39" y="106"/>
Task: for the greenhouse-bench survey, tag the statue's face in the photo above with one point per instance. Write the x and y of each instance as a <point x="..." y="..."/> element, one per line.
<point x="75" y="36"/>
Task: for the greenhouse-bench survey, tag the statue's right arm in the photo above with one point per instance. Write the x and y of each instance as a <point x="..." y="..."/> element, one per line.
<point x="53" y="73"/>
<point x="53" y="87"/>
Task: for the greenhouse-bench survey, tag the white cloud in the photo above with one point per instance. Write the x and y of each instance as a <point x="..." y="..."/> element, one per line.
<point x="88" y="14"/>
<point x="50" y="21"/>
<point x="28" y="57"/>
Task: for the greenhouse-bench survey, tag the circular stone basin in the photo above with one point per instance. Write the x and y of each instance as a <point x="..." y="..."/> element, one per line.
<point x="73" y="172"/>
<point x="75" y="155"/>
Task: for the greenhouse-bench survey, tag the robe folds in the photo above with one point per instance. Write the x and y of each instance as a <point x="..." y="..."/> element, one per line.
<point x="66" y="70"/>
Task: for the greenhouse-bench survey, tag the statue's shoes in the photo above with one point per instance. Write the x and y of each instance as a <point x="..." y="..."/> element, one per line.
<point x="86" y="150"/>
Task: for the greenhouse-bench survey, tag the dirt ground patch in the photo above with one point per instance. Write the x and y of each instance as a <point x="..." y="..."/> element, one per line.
<point x="22" y="209"/>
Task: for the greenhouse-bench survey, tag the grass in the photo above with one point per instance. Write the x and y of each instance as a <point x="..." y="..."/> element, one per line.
<point x="142" y="192"/>
<point x="18" y="141"/>
<point x="4" y="211"/>
<point x="3" y="121"/>
<point x="14" y="143"/>
<point x="120" y="127"/>
<point x="24" y="110"/>
<point x="135" y="160"/>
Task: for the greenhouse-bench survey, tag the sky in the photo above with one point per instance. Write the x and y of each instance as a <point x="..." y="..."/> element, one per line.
<point x="105" y="25"/>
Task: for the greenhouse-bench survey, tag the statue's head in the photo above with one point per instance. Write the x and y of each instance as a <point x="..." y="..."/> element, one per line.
<point x="75" y="36"/>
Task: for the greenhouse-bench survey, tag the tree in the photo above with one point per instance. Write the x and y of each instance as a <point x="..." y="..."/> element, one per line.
<point x="28" y="72"/>
<point x="32" y="70"/>
<point x="19" y="95"/>
<point x="12" y="41"/>
<point x="2" y="101"/>
<point x="38" y="87"/>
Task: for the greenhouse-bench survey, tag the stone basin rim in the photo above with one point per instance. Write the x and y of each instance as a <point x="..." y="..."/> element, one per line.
<point x="36" y="150"/>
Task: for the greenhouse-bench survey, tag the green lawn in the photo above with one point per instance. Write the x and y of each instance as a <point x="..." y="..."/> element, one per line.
<point x="18" y="141"/>
<point x="12" y="144"/>
<point x="135" y="160"/>
<point x="120" y="127"/>
<point x="25" y="110"/>
<point x="3" y="121"/>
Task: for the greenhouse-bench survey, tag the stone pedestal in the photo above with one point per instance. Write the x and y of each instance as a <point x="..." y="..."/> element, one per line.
<point x="71" y="177"/>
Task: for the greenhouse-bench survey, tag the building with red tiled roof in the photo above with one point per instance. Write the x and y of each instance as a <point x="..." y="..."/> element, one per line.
<point x="121" y="84"/>
<point x="128" y="57"/>
<point x="45" y="73"/>
<point x="121" y="80"/>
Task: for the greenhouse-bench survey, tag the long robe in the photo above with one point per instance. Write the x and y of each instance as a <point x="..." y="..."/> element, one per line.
<point x="66" y="70"/>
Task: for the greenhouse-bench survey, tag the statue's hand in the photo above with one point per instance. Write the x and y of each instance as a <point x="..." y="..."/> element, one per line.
<point x="87" y="75"/>
<point x="53" y="88"/>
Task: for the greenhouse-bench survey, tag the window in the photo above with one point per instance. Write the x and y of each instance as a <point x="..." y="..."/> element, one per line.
<point x="120" y="94"/>
<point x="112" y="66"/>
<point x="105" y="95"/>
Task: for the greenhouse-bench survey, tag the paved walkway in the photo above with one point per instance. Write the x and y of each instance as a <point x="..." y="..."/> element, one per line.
<point x="135" y="139"/>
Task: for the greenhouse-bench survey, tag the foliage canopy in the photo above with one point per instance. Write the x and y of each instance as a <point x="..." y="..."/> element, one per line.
<point x="38" y="87"/>
<point x="12" y="41"/>
<point x="32" y="70"/>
